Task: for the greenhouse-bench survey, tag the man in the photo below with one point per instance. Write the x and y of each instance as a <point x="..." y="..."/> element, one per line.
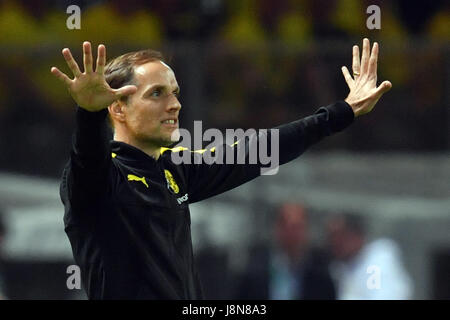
<point x="365" y="270"/>
<point x="126" y="202"/>
<point x="290" y="268"/>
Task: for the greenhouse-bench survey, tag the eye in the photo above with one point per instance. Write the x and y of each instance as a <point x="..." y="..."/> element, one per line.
<point x="156" y="93"/>
<point x="176" y="93"/>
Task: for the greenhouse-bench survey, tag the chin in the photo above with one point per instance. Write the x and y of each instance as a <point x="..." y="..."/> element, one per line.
<point x="170" y="141"/>
<point x="166" y="143"/>
<point x="175" y="136"/>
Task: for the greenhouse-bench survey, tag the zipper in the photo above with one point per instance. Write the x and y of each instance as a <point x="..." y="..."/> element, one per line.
<point x="173" y="251"/>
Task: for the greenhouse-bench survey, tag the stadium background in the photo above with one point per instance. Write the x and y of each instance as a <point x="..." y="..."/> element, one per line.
<point x="240" y="64"/>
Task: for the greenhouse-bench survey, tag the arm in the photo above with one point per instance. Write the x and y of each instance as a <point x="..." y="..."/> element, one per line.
<point x="293" y="139"/>
<point x="296" y="137"/>
<point x="85" y="177"/>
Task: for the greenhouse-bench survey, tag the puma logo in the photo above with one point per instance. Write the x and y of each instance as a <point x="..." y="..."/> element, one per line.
<point x="132" y="177"/>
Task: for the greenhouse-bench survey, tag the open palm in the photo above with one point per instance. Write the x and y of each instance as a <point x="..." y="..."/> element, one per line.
<point x="90" y="89"/>
<point x="364" y="93"/>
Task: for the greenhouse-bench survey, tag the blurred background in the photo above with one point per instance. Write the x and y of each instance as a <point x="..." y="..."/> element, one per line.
<point x="248" y="64"/>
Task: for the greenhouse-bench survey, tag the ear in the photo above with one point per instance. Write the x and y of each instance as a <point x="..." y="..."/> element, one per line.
<point x="116" y="111"/>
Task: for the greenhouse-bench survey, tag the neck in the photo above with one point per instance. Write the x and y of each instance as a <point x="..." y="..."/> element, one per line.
<point x="150" y="149"/>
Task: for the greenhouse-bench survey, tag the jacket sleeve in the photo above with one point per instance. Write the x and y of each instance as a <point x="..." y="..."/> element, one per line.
<point x="85" y="177"/>
<point x="209" y="178"/>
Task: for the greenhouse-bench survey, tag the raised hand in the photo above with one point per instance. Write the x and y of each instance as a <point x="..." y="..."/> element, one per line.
<point x="364" y="92"/>
<point x="90" y="89"/>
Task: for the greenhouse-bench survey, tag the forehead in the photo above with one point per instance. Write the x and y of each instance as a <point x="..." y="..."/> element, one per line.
<point x="155" y="72"/>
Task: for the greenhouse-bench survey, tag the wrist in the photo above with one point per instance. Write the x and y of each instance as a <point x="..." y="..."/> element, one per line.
<point x="355" y="106"/>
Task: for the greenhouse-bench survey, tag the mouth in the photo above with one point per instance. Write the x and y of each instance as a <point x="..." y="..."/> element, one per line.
<point x="172" y="123"/>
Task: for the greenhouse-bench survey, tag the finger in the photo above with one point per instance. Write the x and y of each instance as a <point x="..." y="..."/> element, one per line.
<point x="383" y="88"/>
<point x="73" y="66"/>
<point x="373" y="62"/>
<point x="61" y="76"/>
<point x="124" y="91"/>
<point x="101" y="59"/>
<point x="356" y="63"/>
<point x="365" y="56"/>
<point x="87" y="57"/>
<point x="347" y="76"/>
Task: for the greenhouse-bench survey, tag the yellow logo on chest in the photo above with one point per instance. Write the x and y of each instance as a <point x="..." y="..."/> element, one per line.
<point x="132" y="177"/>
<point x="171" y="184"/>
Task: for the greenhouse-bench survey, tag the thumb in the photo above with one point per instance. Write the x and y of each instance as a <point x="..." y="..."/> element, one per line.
<point x="384" y="87"/>
<point x="125" y="91"/>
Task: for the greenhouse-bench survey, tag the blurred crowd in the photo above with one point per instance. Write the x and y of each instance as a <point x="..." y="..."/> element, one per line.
<point x="235" y="61"/>
<point x="348" y="264"/>
<point x="247" y="21"/>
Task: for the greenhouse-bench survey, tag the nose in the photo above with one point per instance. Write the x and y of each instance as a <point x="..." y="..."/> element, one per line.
<point x="174" y="104"/>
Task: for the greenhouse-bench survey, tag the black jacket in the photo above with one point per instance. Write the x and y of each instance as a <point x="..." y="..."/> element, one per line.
<point x="127" y="214"/>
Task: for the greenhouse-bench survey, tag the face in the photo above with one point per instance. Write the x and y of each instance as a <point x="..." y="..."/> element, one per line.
<point x="291" y="227"/>
<point x="343" y="243"/>
<point x="151" y="114"/>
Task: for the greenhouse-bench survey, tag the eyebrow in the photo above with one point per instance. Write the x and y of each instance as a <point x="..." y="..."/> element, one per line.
<point x="160" y="86"/>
